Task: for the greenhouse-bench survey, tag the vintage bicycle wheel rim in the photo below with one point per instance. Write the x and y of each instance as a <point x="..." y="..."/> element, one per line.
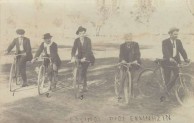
<point x="184" y="92"/>
<point x="11" y="79"/>
<point x="127" y="85"/>
<point x="75" y="83"/>
<point x="117" y="81"/>
<point x="41" y="80"/>
<point x="146" y="85"/>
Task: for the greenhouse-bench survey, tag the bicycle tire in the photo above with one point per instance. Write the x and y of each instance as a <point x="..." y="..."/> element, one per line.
<point x="184" y="91"/>
<point x="127" y="87"/>
<point x="75" y="82"/>
<point x="148" y="86"/>
<point x="14" y="79"/>
<point x="43" y="84"/>
<point x="117" y="81"/>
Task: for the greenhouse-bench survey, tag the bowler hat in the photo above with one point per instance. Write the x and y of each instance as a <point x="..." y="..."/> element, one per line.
<point x="47" y="36"/>
<point x="80" y="29"/>
<point x="20" y="31"/>
<point x="172" y="30"/>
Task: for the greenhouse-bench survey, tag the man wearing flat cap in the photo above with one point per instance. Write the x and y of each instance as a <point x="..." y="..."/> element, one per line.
<point x="82" y="45"/>
<point x="49" y="49"/>
<point x="172" y="48"/>
<point x="129" y="53"/>
<point x="22" y="45"/>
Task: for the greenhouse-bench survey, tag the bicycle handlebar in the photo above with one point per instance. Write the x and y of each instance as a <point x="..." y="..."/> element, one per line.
<point x="127" y="64"/>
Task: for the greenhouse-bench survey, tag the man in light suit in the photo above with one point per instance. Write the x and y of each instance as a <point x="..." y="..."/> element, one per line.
<point x="82" y="45"/>
<point x="22" y="45"/>
<point x="172" y="48"/>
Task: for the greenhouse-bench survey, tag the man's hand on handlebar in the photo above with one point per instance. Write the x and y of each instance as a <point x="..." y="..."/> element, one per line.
<point x="173" y="61"/>
<point x="33" y="60"/>
<point x="187" y="60"/>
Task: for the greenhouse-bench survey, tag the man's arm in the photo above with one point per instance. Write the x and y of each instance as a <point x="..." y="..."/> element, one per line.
<point x="137" y="53"/>
<point x="165" y="51"/>
<point x="39" y="51"/>
<point x="121" y="57"/>
<point x="28" y="47"/>
<point x="89" y="49"/>
<point x="74" y="49"/>
<point x="182" y="51"/>
<point x="11" y="46"/>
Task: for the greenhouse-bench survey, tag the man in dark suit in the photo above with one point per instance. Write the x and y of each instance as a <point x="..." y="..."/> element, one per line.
<point x="22" y="45"/>
<point x="82" y="45"/>
<point x="171" y="49"/>
<point x="50" y="49"/>
<point x="129" y="53"/>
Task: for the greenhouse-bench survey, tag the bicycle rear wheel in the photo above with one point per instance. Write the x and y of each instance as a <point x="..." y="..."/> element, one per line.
<point x="44" y="84"/>
<point x="185" y="90"/>
<point x="148" y="83"/>
<point x="127" y="87"/>
<point x="14" y="79"/>
<point x="117" y="82"/>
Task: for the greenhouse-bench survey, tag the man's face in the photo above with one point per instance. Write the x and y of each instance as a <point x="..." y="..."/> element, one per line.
<point x="82" y="33"/>
<point x="20" y="36"/>
<point x="128" y="38"/>
<point x="174" y="35"/>
<point x="47" y="41"/>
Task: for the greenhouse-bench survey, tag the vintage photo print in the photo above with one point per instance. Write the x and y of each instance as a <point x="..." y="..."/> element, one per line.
<point x="96" y="61"/>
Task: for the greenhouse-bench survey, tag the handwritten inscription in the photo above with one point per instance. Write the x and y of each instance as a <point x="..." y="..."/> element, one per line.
<point x="122" y="119"/>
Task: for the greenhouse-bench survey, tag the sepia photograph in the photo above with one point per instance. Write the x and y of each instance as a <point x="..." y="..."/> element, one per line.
<point x="96" y="61"/>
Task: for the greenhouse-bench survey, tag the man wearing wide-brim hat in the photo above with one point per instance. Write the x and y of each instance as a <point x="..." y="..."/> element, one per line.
<point x="22" y="45"/>
<point x="172" y="48"/>
<point x="50" y="49"/>
<point x="82" y="45"/>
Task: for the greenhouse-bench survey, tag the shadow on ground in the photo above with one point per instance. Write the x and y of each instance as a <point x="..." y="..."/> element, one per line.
<point x="98" y="101"/>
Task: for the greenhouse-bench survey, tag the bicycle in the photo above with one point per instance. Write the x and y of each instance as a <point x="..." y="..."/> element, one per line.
<point x="127" y="82"/>
<point x="15" y="80"/>
<point x="150" y="83"/>
<point x="76" y="78"/>
<point x="44" y="80"/>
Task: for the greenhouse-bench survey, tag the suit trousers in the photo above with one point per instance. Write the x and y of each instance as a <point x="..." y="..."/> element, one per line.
<point x="168" y="70"/>
<point x="83" y="73"/>
<point x="21" y="67"/>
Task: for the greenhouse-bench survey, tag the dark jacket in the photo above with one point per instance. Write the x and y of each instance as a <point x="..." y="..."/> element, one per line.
<point x="53" y="53"/>
<point x="167" y="50"/>
<point x="84" y="51"/>
<point x="26" y="46"/>
<point x="130" y="54"/>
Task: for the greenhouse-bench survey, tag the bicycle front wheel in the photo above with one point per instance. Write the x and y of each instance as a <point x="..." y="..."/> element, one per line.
<point x="127" y="87"/>
<point x="44" y="84"/>
<point x="117" y="82"/>
<point x="14" y="79"/>
<point x="76" y="86"/>
<point x="185" y="90"/>
<point x="148" y="84"/>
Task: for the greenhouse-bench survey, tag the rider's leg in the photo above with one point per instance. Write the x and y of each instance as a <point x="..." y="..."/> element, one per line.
<point x="55" y="69"/>
<point x="175" y="75"/>
<point x="84" y="75"/>
<point x="167" y="75"/>
<point x="22" y="69"/>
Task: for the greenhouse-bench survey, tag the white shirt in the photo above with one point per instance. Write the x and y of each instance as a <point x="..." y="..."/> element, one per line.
<point x="21" y="47"/>
<point x="174" y="47"/>
<point x="47" y="46"/>
<point x="82" y="41"/>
